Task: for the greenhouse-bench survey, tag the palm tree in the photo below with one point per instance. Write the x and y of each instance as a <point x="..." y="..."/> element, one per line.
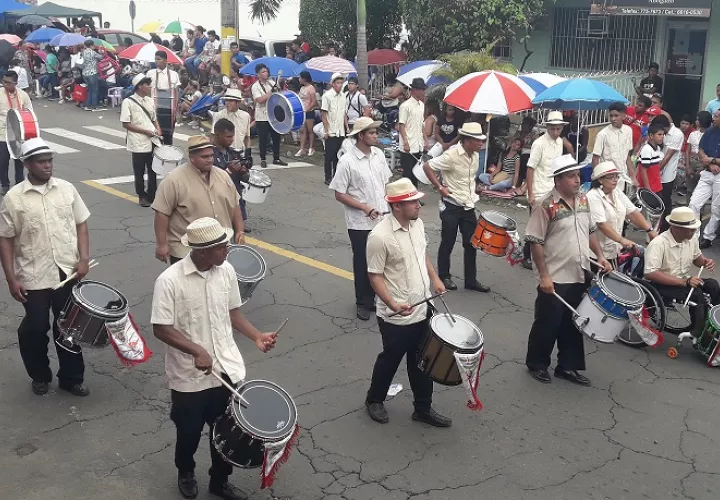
<point x="267" y="10"/>
<point x="464" y="63"/>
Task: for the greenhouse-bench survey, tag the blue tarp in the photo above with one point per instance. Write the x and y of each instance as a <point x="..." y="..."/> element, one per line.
<point x="7" y="5"/>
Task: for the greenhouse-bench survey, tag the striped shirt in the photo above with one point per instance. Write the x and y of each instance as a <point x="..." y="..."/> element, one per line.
<point x="508" y="164"/>
<point x="650" y="158"/>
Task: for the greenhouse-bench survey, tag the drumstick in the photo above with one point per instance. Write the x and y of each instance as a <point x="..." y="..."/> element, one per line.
<point x="91" y="264"/>
<point x="574" y="311"/>
<point x="421" y="302"/>
<point x="687" y="299"/>
<point x="282" y="325"/>
<point x="448" y="309"/>
<point x="242" y="400"/>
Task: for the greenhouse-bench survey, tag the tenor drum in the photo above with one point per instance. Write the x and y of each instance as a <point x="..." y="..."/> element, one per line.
<point x="285" y="111"/>
<point x="491" y="234"/>
<point x="242" y="432"/>
<point x="445" y="337"/>
<point x="22" y="125"/>
<point x="249" y="268"/>
<point x="707" y="344"/>
<point x="607" y="303"/>
<point x="82" y="321"/>
<point x="650" y="204"/>
<point x="257" y="187"/>
<point x="166" y="158"/>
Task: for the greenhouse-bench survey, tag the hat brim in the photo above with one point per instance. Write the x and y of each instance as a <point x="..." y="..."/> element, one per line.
<point x="192" y="149"/>
<point x="567" y="169"/>
<point x="694" y="225"/>
<point x="225" y="239"/>
<point x="144" y="80"/>
<point x="481" y="137"/>
<point x="600" y="176"/>
<point x="375" y="124"/>
<point x="556" y="122"/>
<point x="416" y="196"/>
<point x="232" y="98"/>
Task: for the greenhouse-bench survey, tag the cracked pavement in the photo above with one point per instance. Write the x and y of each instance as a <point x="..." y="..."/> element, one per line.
<point x="645" y="429"/>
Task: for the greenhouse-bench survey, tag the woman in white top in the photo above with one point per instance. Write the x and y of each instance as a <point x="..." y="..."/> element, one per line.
<point x="610" y="208"/>
<point x="432" y="110"/>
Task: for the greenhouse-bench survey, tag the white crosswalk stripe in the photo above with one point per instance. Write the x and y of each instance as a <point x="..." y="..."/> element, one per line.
<point x="82" y="138"/>
<point x="121" y="133"/>
<point x="60" y="149"/>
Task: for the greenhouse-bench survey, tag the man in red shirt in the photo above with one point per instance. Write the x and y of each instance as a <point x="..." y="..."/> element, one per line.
<point x="638" y="117"/>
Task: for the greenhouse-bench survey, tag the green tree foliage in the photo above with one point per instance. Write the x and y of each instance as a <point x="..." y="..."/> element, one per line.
<point x="464" y="63"/>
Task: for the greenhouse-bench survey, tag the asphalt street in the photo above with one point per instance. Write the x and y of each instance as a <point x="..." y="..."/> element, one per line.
<point x="644" y="429"/>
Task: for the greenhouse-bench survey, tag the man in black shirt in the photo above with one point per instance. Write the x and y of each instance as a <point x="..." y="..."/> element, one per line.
<point x="651" y="84"/>
<point x="228" y="159"/>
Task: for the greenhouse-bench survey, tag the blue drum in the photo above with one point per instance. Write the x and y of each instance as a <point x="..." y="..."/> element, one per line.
<point x="285" y="112"/>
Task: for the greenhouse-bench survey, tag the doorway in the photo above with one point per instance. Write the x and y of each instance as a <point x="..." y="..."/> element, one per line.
<point x="684" y="67"/>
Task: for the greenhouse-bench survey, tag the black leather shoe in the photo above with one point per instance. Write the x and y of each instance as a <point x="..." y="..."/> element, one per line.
<point x="541" y="376"/>
<point x="227" y="491"/>
<point x="573" y="376"/>
<point x="432" y="417"/>
<point x="263" y="164"/>
<point x="247" y="230"/>
<point x="477" y="287"/>
<point x="377" y="412"/>
<point x="144" y="202"/>
<point x="449" y="284"/>
<point x="40" y="388"/>
<point x="527" y="264"/>
<point x="363" y="313"/>
<point x="187" y="485"/>
<point x="705" y="243"/>
<point x="76" y="390"/>
<point x="280" y="162"/>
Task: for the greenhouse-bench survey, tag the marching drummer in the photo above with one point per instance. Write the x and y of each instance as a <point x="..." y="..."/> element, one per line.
<point x="240" y="118"/>
<point x="10" y="97"/>
<point x="262" y="90"/>
<point x="229" y="159"/>
<point x="164" y="83"/>
<point x="195" y="308"/>
<point x="458" y="166"/>
<point x="401" y="274"/>
<point x="138" y="117"/>
<point x="561" y="234"/>
<point x="190" y="192"/>
<point x="39" y="249"/>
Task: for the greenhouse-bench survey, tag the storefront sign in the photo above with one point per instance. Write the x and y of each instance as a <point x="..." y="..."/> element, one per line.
<point x="675" y="8"/>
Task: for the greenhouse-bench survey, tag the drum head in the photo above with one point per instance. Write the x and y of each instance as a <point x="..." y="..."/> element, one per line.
<point x="270" y="415"/>
<point x="248" y="264"/>
<point x="100" y="299"/>
<point x="168" y="153"/>
<point x="650" y="200"/>
<point x="714" y="316"/>
<point x="259" y="179"/>
<point x="625" y="290"/>
<point x="462" y="334"/>
<point x="499" y="219"/>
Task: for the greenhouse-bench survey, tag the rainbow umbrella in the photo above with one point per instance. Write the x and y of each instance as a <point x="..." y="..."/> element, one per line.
<point x="178" y="27"/>
<point x="151" y="27"/>
<point x="102" y="43"/>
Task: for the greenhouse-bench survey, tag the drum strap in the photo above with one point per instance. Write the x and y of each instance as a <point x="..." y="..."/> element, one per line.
<point x="17" y="99"/>
<point x="141" y="107"/>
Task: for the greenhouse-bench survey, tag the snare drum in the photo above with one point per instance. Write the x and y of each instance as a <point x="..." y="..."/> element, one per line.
<point x="82" y="321"/>
<point x="707" y="344"/>
<point x="249" y="268"/>
<point x="607" y="303"/>
<point x="285" y="111"/>
<point x="491" y="234"/>
<point x="241" y="433"/>
<point x="165" y="159"/>
<point x="257" y="187"/>
<point x="22" y="125"/>
<point x="445" y="337"/>
<point x="650" y="204"/>
<point x="419" y="172"/>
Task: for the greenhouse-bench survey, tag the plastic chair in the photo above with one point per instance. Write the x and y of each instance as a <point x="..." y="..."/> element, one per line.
<point x="115" y="96"/>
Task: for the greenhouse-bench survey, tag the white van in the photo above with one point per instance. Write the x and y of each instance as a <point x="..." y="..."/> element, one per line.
<point x="265" y="46"/>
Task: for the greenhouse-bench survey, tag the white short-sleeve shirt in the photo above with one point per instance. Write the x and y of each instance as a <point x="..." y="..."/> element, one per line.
<point x="612" y="209"/>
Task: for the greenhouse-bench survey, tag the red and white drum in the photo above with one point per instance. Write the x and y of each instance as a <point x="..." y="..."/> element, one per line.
<point x="22" y="125"/>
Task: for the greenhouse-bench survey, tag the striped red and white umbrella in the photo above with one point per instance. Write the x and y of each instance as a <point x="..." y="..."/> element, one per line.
<point x="490" y="92"/>
<point x="145" y="52"/>
<point x="331" y="64"/>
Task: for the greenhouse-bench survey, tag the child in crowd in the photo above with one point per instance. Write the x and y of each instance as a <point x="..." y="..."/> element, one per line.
<point x="651" y="156"/>
<point x="23" y="81"/>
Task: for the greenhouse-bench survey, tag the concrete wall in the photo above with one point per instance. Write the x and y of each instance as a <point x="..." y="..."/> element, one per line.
<point x="712" y="61"/>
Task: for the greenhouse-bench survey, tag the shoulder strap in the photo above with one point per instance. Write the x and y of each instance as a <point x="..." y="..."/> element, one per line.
<point x="141" y="107"/>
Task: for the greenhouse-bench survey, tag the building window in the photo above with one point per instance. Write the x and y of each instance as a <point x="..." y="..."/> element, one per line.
<point x="503" y="50"/>
<point x="581" y="41"/>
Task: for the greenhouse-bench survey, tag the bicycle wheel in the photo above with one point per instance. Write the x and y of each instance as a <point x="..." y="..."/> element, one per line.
<point x="656" y="315"/>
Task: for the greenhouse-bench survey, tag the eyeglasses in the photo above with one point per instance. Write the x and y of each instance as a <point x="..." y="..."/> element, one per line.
<point x="612" y="177"/>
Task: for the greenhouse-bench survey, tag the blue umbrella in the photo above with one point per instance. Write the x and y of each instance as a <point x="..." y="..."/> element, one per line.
<point x="67" y="40"/>
<point x="43" y="35"/>
<point x="579" y="94"/>
<point x="421" y="69"/>
<point x="274" y="64"/>
<point x="320" y="76"/>
<point x="541" y="81"/>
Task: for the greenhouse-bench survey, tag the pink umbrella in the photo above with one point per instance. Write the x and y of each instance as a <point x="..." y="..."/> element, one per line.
<point x="381" y="57"/>
<point x="41" y="54"/>
<point x="490" y="92"/>
<point x="145" y="52"/>
<point x="13" y="39"/>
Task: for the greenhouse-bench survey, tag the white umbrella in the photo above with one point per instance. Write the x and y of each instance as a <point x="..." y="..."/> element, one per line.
<point x="331" y="63"/>
<point x="420" y="69"/>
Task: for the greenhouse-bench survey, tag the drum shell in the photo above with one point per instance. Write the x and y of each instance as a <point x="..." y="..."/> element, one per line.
<point x="163" y="166"/>
<point x="255" y="194"/>
<point x="83" y="327"/>
<point x="248" y="284"/>
<point x="708" y="342"/>
<point x="21" y="125"/>
<point x="437" y="359"/>
<point x="602" y="327"/>
<point x="236" y="446"/>
<point x="419" y="173"/>
<point x="490" y="238"/>
<point x="285" y="112"/>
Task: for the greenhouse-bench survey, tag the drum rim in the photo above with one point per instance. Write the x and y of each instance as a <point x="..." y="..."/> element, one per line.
<point x="286" y="396"/>
<point x="436" y="333"/>
<point x="99" y="312"/>
<point x="171" y="148"/>
<point x="654" y="211"/>
<point x="511" y="227"/>
<point x="711" y="317"/>
<point x="260" y="174"/>
<point x="620" y="300"/>
<point x="251" y="250"/>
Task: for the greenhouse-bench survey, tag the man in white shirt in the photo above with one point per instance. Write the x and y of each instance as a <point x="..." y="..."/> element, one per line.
<point x="195" y="307"/>
<point x="40" y="248"/>
<point x="10" y="97"/>
<point x="137" y="115"/>
<point x="240" y="118"/>
<point x="261" y="90"/>
<point x="357" y="102"/>
<point x="165" y="83"/>
<point x="359" y="184"/>
<point x="333" y="107"/>
<point x="614" y="143"/>
<point x="410" y="122"/>
<point x="672" y="144"/>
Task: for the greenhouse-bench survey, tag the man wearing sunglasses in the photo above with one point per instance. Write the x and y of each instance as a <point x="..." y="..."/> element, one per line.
<point x="11" y="97"/>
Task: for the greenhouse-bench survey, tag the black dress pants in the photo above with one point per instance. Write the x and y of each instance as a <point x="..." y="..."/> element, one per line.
<point x="142" y="164"/>
<point x="332" y="148"/>
<point x="453" y="218"/>
<point x="5" y="167"/>
<point x="364" y="294"/>
<point x="33" y="338"/>
<point x="698" y="313"/>
<point x="399" y="341"/>
<point x="407" y="162"/>
<point x="666" y="195"/>
<point x="167" y="125"/>
<point x="554" y="323"/>
<point x="190" y="411"/>
<point x="264" y="129"/>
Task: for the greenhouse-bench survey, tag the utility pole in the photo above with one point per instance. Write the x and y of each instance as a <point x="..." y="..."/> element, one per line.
<point x="228" y="30"/>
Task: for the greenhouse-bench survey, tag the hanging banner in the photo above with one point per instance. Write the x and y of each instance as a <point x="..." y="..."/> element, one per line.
<point x="675" y="8"/>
